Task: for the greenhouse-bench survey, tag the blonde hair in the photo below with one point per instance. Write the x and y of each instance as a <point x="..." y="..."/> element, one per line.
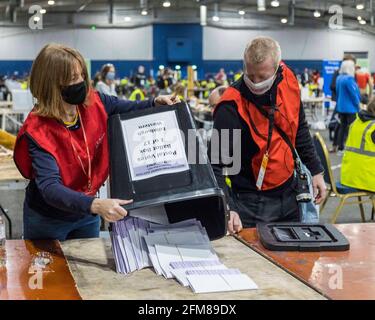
<point x="52" y="70"/>
<point x="260" y="48"/>
<point x="348" y="67"/>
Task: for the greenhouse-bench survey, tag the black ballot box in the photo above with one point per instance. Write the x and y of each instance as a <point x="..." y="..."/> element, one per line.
<point x="158" y="159"/>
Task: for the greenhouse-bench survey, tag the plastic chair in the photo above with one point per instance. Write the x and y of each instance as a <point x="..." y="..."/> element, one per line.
<point x="338" y="190"/>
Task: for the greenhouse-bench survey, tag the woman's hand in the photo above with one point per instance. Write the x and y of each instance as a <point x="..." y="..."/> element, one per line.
<point x="167" y="100"/>
<point x="110" y="209"/>
<point x="234" y="223"/>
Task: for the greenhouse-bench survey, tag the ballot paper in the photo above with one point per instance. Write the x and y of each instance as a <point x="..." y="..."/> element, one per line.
<point x="186" y="239"/>
<point x="128" y="246"/>
<point x="155" y="214"/>
<point x="179" y="269"/>
<point x="172" y="253"/>
<point x="205" y="281"/>
<point x="181" y="250"/>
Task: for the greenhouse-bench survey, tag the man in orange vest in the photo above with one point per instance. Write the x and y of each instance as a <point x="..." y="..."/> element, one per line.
<point x="265" y="105"/>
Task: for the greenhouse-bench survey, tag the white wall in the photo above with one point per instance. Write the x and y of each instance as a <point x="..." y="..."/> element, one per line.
<point x="296" y="44"/>
<point x="101" y="44"/>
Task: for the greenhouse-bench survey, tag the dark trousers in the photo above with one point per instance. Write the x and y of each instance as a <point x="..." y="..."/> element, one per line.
<point x="256" y="207"/>
<point x="346" y="120"/>
<point x="40" y="227"/>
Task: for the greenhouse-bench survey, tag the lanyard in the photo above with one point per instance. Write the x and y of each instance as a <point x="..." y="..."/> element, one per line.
<point x="87" y="173"/>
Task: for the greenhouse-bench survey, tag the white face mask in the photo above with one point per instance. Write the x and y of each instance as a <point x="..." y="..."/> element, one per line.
<point x="260" y="87"/>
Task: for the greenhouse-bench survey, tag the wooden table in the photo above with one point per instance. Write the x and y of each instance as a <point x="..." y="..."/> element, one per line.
<point x="17" y="284"/>
<point x="311" y="103"/>
<point x="91" y="262"/>
<point x="336" y="275"/>
<point x="9" y="171"/>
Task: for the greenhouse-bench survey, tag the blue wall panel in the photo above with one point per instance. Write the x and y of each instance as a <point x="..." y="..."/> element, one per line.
<point x="9" y="67"/>
<point x="163" y="32"/>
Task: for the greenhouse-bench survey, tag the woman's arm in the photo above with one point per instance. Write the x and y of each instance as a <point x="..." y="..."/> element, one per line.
<point x="114" y="105"/>
<point x="48" y="181"/>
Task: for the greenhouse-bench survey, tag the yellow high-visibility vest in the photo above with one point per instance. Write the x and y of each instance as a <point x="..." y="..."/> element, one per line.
<point x="358" y="164"/>
<point x="237" y="76"/>
<point x="135" y="93"/>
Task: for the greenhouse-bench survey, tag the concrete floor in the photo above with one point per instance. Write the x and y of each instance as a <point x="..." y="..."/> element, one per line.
<point x="13" y="201"/>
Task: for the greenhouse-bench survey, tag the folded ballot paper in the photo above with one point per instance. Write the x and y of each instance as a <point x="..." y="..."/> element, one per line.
<point x="181" y="250"/>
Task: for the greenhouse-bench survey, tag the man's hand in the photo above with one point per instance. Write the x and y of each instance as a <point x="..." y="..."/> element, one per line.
<point x="234" y="223"/>
<point x="320" y="188"/>
<point x="167" y="100"/>
<point x="110" y="209"/>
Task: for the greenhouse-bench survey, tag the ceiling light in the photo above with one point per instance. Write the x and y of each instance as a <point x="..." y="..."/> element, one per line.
<point x="275" y="3"/>
<point x="43" y="11"/>
<point x="36" y="19"/>
<point x="284" y="20"/>
<point x="178" y="67"/>
<point x="360" y="6"/>
<point x="166" y="4"/>
<point x="215" y="18"/>
<point x="194" y="67"/>
<point x="127" y="19"/>
<point x="317" y="14"/>
<point x="359" y="18"/>
<point x="241" y="12"/>
<point x="144" y="12"/>
<point x="362" y="21"/>
<point x="51" y="2"/>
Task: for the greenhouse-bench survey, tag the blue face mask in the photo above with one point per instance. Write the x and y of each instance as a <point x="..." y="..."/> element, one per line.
<point x="110" y="76"/>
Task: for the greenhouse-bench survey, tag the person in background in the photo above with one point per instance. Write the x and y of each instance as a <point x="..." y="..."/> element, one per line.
<point x="140" y="78"/>
<point x="358" y="163"/>
<point x="221" y="77"/>
<point x="315" y="83"/>
<point x="305" y="77"/>
<point x="267" y="85"/>
<point x="62" y="148"/>
<point x="179" y="91"/>
<point x="334" y="124"/>
<point x="348" y="100"/>
<point x="106" y="84"/>
<point x="137" y="95"/>
<point x="4" y="91"/>
<point x="365" y="84"/>
<point x="164" y="81"/>
<point x="215" y="96"/>
<point x="237" y="75"/>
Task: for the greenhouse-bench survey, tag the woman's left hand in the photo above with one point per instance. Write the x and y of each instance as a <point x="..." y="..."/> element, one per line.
<point x="167" y="100"/>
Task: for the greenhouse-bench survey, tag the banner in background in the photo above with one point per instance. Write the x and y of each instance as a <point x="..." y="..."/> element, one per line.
<point x="329" y="68"/>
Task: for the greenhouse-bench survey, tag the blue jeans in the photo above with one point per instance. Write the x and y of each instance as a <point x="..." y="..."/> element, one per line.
<point x="40" y="227"/>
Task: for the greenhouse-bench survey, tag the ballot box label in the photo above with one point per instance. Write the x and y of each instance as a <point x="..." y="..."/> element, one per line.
<point x="154" y="145"/>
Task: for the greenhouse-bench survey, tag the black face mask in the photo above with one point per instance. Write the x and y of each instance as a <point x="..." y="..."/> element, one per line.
<point x="74" y="94"/>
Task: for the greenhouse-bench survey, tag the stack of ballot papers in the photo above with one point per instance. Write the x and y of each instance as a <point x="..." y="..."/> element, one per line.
<point x="181" y="250"/>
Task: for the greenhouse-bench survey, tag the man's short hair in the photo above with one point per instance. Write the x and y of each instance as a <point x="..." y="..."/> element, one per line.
<point x="349" y="56"/>
<point x="260" y="48"/>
